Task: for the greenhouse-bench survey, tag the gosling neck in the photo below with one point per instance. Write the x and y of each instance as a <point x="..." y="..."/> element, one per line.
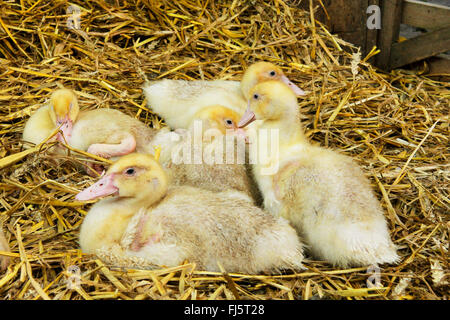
<point x="290" y="129"/>
<point x="138" y="203"/>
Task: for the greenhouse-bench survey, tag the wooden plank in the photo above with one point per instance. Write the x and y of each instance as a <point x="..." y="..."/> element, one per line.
<point x="371" y="34"/>
<point x="420" y="47"/>
<point x="425" y="15"/>
<point x="364" y="32"/>
<point x="390" y="25"/>
<point x="347" y="18"/>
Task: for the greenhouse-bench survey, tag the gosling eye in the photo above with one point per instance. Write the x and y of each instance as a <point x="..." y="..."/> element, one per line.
<point x="256" y="96"/>
<point x="130" y="172"/>
<point x="229" y="122"/>
<point x="272" y="73"/>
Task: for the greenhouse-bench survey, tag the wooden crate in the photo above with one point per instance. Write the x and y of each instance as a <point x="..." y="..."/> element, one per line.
<point x="348" y="19"/>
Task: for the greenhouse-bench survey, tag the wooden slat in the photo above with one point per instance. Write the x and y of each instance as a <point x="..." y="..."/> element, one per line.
<point x="347" y="18"/>
<point x="420" y="47"/>
<point x="425" y="15"/>
<point x="390" y="25"/>
<point x="371" y="34"/>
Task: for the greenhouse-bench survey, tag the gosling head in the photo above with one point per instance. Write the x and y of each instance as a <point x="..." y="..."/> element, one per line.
<point x="270" y="100"/>
<point x="220" y="118"/>
<point x="64" y="111"/>
<point x="137" y="177"/>
<point x="265" y="71"/>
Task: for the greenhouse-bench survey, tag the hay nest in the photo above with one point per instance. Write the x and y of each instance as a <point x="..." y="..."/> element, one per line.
<point x="395" y="125"/>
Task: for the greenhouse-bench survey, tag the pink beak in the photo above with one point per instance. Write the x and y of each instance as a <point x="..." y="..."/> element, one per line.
<point x="102" y="188"/>
<point x="247" y="118"/>
<point x="66" y="130"/>
<point x="297" y="90"/>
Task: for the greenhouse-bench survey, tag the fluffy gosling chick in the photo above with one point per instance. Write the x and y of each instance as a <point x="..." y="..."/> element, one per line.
<point x="212" y="154"/>
<point x="104" y="132"/>
<point x="323" y="193"/>
<point x="61" y="111"/>
<point x="177" y="101"/>
<point x="148" y="223"/>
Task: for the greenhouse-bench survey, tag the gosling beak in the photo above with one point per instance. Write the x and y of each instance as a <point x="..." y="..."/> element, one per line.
<point x="66" y="130"/>
<point x="102" y="188"/>
<point x="247" y="118"/>
<point x="297" y="90"/>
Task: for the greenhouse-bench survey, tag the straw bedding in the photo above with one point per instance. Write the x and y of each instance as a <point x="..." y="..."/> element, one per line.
<point x="395" y="125"/>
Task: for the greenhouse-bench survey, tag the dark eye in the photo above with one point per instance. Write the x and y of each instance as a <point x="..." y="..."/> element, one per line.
<point x="272" y="73"/>
<point x="130" y="172"/>
<point x="256" y="96"/>
<point x="229" y="122"/>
